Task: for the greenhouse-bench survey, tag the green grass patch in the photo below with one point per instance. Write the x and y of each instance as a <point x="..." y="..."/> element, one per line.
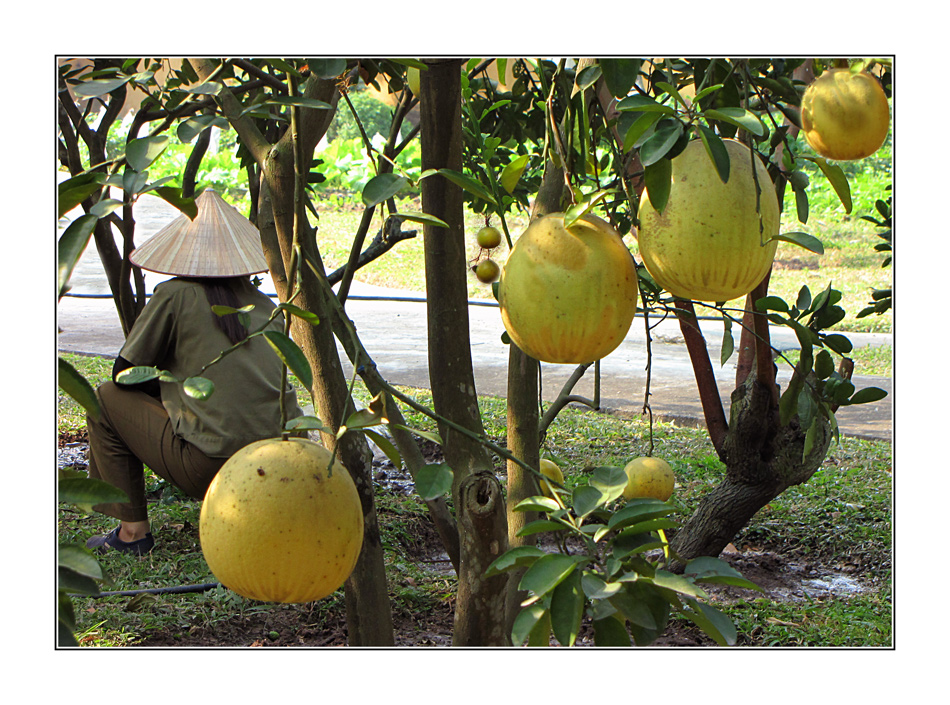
<point x="841" y="519"/>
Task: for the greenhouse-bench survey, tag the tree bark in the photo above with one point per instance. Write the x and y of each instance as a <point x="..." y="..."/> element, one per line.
<point x="484" y="537"/>
<point x="452" y="379"/>
<point x="368" y="613"/>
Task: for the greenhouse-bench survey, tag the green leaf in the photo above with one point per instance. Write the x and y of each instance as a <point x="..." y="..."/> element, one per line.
<point x="381" y="188"/>
<point x="73" y="582"/>
<point x="637" y="510"/>
<point x="547" y="573"/>
<point x="728" y="343"/>
<point x="199" y="388"/>
<point x="138" y="374"/>
<point x="86" y="490"/>
<point x="104" y="207"/>
<point x="423" y="218"/>
<point x="428" y="435"/>
<point x="529" y="624"/>
<point x="518" y="557"/>
<point x="327" y="68"/>
<point x="79" y="560"/>
<point x="540" y="526"/>
<point x="78" y="387"/>
<point x="671" y="90"/>
<point x="433" y="480"/>
<point x="99" y="86"/>
<point x="537" y="503"/>
<point x="140" y="153"/>
<point x="307" y="423"/>
<point x="172" y="195"/>
<point x="740" y="117"/>
<point x="582" y="207"/>
<point x="660" y="143"/>
<point x="809" y="242"/>
<point x="771" y="303"/>
<point x="651" y="525"/>
<point x="308" y="316"/>
<point x="74" y="191"/>
<point x="610" y="632"/>
<point x="658" y="179"/>
<point x="837" y="179"/>
<point x="72" y="243"/>
<point x="841" y="344"/>
<point x="291" y="102"/>
<point x="677" y="583"/>
<point x="586" y="499"/>
<point x="636" y="610"/>
<point x="620" y="75"/>
<point x="596" y="588"/>
<point x="192" y="127"/>
<point x="638" y="129"/>
<point x="467" y="183"/>
<point x="867" y="395"/>
<point x="206" y="88"/>
<point x="611" y="481"/>
<point x="644" y="103"/>
<point x="706" y="569"/>
<point x="713" y="622"/>
<point x="291" y="355"/>
<point x="385" y="445"/>
<point x="717" y="152"/>
<point x="567" y="609"/>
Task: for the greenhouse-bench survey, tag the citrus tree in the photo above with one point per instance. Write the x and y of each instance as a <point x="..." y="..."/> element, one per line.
<point x="601" y="144"/>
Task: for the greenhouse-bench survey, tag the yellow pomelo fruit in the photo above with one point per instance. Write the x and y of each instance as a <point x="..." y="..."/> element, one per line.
<point x="845" y="115"/>
<point x="276" y="526"/>
<point x="550" y="469"/>
<point x="568" y="295"/>
<point x="649" y="477"/>
<point x="709" y="243"/>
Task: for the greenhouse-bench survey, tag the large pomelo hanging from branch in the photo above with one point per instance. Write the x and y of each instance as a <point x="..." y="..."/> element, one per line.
<point x="568" y="295"/>
<point x="277" y="526"/>
<point x="713" y="240"/>
<point x="845" y="115"/>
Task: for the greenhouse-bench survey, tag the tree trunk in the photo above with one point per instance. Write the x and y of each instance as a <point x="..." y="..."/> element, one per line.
<point x="368" y="613"/>
<point x="524" y="414"/>
<point x="484" y="537"/>
<point x="479" y="619"/>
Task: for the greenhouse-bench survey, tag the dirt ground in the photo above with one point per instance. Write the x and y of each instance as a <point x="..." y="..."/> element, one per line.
<point x="781" y="578"/>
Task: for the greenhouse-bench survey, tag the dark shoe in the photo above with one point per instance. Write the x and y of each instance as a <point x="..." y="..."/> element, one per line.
<point x="101" y="544"/>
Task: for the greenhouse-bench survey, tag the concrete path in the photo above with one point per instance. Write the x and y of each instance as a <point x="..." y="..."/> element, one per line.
<point x="392" y="326"/>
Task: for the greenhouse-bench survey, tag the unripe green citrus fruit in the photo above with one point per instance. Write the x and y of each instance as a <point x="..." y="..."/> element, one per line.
<point x="276" y="526"/>
<point x="487" y="271"/>
<point x="649" y="477"/>
<point x="711" y="242"/>
<point x="568" y="295"/>
<point x="845" y="115"/>
<point x="488" y="237"/>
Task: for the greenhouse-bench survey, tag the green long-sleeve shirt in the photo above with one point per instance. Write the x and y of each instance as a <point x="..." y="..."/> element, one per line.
<point x="176" y="332"/>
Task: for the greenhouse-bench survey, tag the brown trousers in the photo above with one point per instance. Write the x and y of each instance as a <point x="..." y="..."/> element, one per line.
<point x="134" y="429"/>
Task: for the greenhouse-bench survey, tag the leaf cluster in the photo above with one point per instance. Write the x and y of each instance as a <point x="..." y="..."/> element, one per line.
<point x="612" y="567"/>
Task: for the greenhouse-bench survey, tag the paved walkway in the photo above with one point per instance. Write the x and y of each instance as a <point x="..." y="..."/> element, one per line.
<point x="392" y="326"/>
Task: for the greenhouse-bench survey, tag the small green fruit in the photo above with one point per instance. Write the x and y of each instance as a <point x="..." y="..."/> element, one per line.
<point x="489" y="237"/>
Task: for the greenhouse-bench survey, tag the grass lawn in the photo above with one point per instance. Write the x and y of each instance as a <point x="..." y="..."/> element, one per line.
<point x="836" y="527"/>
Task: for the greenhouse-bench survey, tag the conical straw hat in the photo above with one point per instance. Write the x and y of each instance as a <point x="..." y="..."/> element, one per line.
<point x="219" y="242"/>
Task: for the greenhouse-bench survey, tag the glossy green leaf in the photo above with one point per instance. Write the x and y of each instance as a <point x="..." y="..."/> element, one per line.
<point x="638" y="129"/>
<point x="192" y="127"/>
<point x="596" y="588"/>
<point x="707" y="569"/>
<point x="74" y="191"/>
<point x="836" y="177"/>
<point x="99" y="86"/>
<point x="677" y="583"/>
<point x="72" y="582"/>
<point x="382" y="187"/>
<point x="713" y="622"/>
<point x="584" y="206"/>
<point x="585" y="499"/>
<point x="740" y="117"/>
<point x="307" y="423"/>
<point x="635" y="609"/>
<point x="567" y="609"/>
<point x="467" y="183"/>
<point x="809" y="242"/>
<point x="656" y="147"/>
<point x="541" y="526"/>
<point x="671" y="90"/>
<point x="199" y="388"/>
<point x="295" y="311"/>
<point x="327" y="68"/>
<point x="610" y="632"/>
<point x="717" y="152"/>
<point x="385" y="445"/>
<point x="538" y="503"/>
<point x="78" y="387"/>
<point x="518" y="557"/>
<point x="289" y="102"/>
<point x="291" y="355"/>
<point x="728" y="342"/>
<point x="546" y="573"/>
<point x="206" y="88"/>
<point x="72" y="243"/>
<point x="88" y="491"/>
<point x="138" y="374"/>
<point x="532" y="624"/>
<point x="423" y="218"/>
<point x="611" y="481"/>
<point x="824" y="364"/>
<point x="867" y="395"/>
<point x="511" y="174"/>
<point x="658" y="179"/>
<point x="172" y="195"/>
<point x="841" y="344"/>
<point x="620" y="75"/>
<point x="140" y="153"/>
<point x="80" y="560"/>
<point x="428" y="435"/>
<point x="644" y="103"/>
<point x="637" y="510"/>
<point x="433" y="480"/>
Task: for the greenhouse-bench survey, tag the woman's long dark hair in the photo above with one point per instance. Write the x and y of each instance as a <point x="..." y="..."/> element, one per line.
<point x="221" y="292"/>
